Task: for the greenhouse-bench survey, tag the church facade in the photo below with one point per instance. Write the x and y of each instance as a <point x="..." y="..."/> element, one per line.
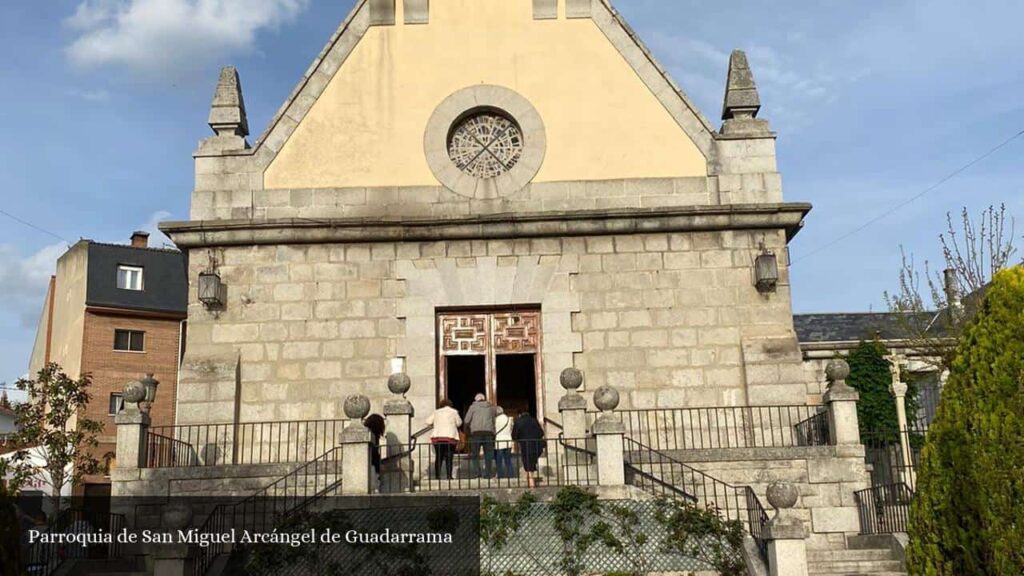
<point x="481" y="194"/>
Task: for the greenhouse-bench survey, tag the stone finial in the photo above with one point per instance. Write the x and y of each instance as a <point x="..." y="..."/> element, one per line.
<point x="606" y="398"/>
<point x="837" y="371"/>
<point x="741" y="97"/>
<point x="357" y="407"/>
<point x="782" y="496"/>
<point x="399" y="383"/>
<point x="176" y="515"/>
<point x="227" y="112"/>
<point x="134" y="392"/>
<point x="571" y="379"/>
<point x="742" y="102"/>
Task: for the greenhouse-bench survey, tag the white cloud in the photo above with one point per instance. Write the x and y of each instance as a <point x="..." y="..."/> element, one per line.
<point x="170" y="37"/>
<point x="158" y="239"/>
<point x="98" y="95"/>
<point x="23" y="279"/>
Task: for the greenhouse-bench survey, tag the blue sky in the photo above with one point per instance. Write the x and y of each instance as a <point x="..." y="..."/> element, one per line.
<point x="103" y="101"/>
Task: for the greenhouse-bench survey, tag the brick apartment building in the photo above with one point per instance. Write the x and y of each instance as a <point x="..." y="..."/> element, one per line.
<point x="115" y="312"/>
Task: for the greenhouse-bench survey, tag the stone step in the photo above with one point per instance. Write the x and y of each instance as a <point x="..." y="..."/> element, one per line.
<point x="812" y="572"/>
<point x="856" y="567"/>
<point x="849" y="555"/>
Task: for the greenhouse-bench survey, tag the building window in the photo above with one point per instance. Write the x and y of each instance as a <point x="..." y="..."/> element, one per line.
<point x="129" y="341"/>
<point x="116" y="403"/>
<point x="129" y="277"/>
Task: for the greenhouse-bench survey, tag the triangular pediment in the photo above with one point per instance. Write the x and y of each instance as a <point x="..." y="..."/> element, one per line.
<point x="361" y="115"/>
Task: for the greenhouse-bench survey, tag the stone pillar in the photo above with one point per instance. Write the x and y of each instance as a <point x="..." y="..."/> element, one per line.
<point x="786" y="534"/>
<point x="573" y="406"/>
<point x="174" y="559"/>
<point x="842" y="405"/>
<point x="132" y="426"/>
<point x="399" y="411"/>
<point x="609" y="432"/>
<point x="355" y="442"/>
<point x="898" y="389"/>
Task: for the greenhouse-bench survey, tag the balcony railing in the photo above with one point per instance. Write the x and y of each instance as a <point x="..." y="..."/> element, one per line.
<point x="728" y="427"/>
<point x="243" y="443"/>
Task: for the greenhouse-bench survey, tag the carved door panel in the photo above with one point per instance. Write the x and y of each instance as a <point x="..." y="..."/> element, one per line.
<point x="490" y="334"/>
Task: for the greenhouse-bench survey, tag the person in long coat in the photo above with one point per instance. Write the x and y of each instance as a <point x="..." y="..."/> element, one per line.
<point x="529" y="436"/>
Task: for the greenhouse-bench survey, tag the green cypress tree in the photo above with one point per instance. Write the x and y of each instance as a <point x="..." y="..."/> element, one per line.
<point x="871" y="377"/>
<point x="968" y="514"/>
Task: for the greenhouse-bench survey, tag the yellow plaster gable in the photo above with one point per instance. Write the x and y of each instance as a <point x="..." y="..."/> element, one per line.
<point x="367" y="127"/>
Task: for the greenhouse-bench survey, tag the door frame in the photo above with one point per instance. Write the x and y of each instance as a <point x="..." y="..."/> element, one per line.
<point x="488" y="350"/>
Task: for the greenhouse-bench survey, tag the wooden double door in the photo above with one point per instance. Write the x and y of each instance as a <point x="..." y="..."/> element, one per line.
<point x="496" y="353"/>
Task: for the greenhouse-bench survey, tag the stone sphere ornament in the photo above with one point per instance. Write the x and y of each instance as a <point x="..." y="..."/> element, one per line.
<point x="176" y="515"/>
<point x="134" y="392"/>
<point x="571" y="379"/>
<point x="357" y="407"/>
<point x="399" y="383"/>
<point x="782" y="496"/>
<point x="606" y="398"/>
<point x="837" y="370"/>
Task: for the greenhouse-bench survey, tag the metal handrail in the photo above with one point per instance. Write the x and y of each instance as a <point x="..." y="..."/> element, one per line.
<point x="751" y="513"/>
<point x="884" y="509"/>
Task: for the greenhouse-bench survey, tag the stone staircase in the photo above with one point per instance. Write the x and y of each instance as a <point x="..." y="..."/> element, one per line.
<point x="873" y="561"/>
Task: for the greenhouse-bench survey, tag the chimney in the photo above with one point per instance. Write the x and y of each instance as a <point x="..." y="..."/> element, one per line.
<point x="140" y="239"/>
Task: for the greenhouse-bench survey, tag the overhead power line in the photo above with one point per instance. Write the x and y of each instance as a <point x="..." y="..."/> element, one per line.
<point x="910" y="200"/>
<point x="34" y="227"/>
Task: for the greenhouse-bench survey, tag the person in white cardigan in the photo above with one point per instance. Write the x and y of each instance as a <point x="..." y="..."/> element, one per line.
<point x="503" y="444"/>
<point x="444" y="437"/>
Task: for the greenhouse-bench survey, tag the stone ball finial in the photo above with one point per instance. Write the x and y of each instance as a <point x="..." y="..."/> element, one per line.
<point x="571" y="379"/>
<point x="134" y="392"/>
<point x="606" y="398"/>
<point x="837" y="370"/>
<point x="357" y="407"/>
<point x="399" y="383"/>
<point x="782" y="496"/>
<point x="176" y="515"/>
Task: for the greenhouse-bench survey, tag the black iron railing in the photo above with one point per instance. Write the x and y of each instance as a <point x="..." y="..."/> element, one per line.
<point x="757" y="521"/>
<point x="883" y="450"/>
<point x="265" y="509"/>
<point x="728" y="427"/>
<point x="884" y="509"/>
<point x="662" y="475"/>
<point x="45" y="559"/>
<point x="243" y="443"/>
<point x="436" y="467"/>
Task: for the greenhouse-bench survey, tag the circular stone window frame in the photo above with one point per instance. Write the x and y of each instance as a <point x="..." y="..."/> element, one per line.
<point x="492" y="99"/>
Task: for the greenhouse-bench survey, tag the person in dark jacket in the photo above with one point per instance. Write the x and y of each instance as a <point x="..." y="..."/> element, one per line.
<point x="375" y="422"/>
<point x="529" y="437"/>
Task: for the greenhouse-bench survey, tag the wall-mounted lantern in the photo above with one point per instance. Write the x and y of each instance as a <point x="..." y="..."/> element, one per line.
<point x="211" y="290"/>
<point x="150" y="384"/>
<point x="766" y="271"/>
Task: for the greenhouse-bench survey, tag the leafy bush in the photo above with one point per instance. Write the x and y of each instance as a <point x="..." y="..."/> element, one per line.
<point x="871" y="377"/>
<point x="967" y="516"/>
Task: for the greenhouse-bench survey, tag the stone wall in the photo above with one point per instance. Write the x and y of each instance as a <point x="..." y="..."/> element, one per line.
<point x="671" y="319"/>
<point x="826" y="476"/>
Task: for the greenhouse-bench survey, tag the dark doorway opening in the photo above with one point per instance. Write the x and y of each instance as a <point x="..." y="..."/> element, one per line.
<point x="516" y="382"/>
<point x="467" y="377"/>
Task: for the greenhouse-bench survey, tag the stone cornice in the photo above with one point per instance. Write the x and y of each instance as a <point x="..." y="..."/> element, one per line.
<point x="196" y="234"/>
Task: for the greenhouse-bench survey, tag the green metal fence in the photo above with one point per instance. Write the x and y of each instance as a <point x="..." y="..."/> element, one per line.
<point x="535" y="549"/>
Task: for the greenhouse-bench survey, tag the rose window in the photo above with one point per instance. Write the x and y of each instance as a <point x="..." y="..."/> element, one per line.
<point x="485" y="144"/>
